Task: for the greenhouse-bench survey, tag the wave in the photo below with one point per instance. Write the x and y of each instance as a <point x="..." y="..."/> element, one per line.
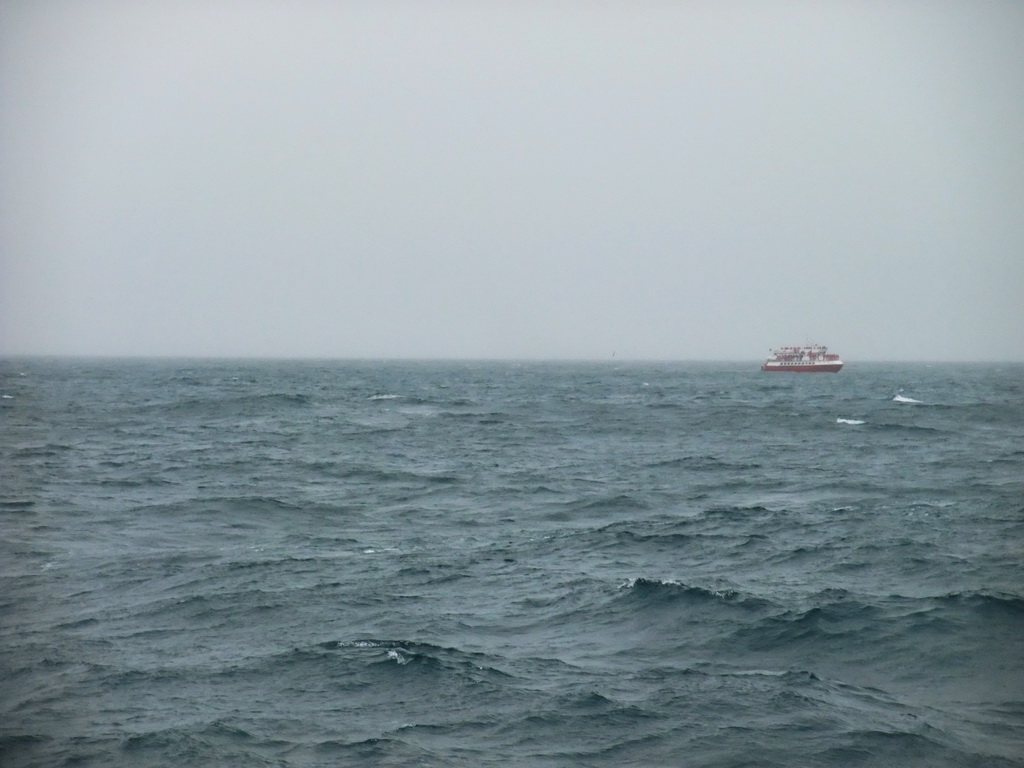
<point x="390" y="657"/>
<point x="217" y="742"/>
<point x="904" y="399"/>
<point x="706" y="462"/>
<point x="136" y="481"/>
<point x="619" y="502"/>
<point x="247" y="405"/>
<point x="658" y="591"/>
<point x="617" y="534"/>
<point x="221" y="504"/>
<point x="440" y="401"/>
<point x="736" y="512"/>
<point x="374" y="475"/>
<point x="908" y="428"/>
<point x="873" y="746"/>
<point x="837" y="616"/>
<point x="988" y="602"/>
<point x="17" y="505"/>
<point x="379" y="751"/>
<point x="476" y="415"/>
<point x="41" y="451"/>
<point x="675" y="536"/>
<point x="407" y="646"/>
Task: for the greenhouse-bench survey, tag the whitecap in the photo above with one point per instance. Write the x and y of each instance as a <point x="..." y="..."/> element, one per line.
<point x="848" y="421"/>
<point x="902" y="399"/>
<point x="631" y="583"/>
<point x="398" y="656"/>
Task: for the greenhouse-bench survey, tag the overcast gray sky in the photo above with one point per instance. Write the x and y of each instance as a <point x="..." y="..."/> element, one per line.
<point x="671" y="180"/>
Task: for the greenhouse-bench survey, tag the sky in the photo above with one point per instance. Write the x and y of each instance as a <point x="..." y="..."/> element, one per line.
<point x="588" y="179"/>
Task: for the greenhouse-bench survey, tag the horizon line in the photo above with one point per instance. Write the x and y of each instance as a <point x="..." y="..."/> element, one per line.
<point x="450" y="359"/>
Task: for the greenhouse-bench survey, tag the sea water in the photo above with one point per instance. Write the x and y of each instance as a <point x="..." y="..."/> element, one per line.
<point x="312" y="563"/>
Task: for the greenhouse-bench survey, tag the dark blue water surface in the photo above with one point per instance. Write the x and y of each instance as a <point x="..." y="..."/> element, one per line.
<point x="519" y="564"/>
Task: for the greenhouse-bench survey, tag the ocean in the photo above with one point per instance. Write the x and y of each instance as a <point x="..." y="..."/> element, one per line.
<point x="364" y="563"/>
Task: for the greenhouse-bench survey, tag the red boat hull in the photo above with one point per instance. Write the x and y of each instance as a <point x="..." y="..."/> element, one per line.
<point x="798" y="368"/>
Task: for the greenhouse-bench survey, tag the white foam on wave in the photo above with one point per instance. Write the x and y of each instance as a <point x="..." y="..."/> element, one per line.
<point x="902" y="399"/>
<point x="631" y="583"/>
<point x="848" y="421"/>
<point x="384" y="397"/>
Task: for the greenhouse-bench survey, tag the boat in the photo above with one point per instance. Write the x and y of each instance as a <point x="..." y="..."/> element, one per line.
<point x="813" y="358"/>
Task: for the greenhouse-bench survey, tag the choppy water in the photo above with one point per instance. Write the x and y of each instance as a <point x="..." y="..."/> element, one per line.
<point x="470" y="564"/>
